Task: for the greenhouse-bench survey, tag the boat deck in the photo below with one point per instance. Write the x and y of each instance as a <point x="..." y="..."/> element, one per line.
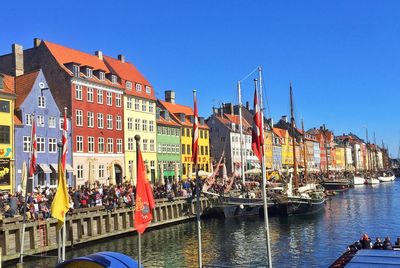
<point x="374" y="258"/>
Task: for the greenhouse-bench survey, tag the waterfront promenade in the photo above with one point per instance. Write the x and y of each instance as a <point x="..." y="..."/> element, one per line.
<point x="87" y="225"/>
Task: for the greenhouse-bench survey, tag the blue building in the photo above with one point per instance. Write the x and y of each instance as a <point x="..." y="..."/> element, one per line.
<point x="317" y="156"/>
<point x="34" y="98"/>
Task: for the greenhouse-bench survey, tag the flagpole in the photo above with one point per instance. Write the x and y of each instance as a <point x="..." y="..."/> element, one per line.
<point x="137" y="138"/>
<point x="264" y="179"/>
<point x="21" y="256"/>
<point x="194" y="153"/>
<point x="64" y="234"/>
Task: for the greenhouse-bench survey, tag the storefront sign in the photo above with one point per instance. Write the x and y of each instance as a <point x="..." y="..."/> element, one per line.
<point x="5" y="171"/>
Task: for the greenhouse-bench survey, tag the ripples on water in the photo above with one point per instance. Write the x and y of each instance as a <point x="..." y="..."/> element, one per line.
<point x="302" y="241"/>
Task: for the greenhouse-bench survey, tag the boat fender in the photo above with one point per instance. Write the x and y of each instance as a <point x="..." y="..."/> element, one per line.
<point x="241" y="206"/>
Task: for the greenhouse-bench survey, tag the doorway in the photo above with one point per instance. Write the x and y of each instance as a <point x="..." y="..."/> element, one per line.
<point x="118" y="174"/>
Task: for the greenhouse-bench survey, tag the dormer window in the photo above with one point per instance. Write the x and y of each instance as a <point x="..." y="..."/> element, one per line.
<point x="76" y="70"/>
<point x="148" y="90"/>
<point x="102" y="76"/>
<point x="139" y="87"/>
<point x="128" y="85"/>
<point x="114" y="79"/>
<point x="89" y="73"/>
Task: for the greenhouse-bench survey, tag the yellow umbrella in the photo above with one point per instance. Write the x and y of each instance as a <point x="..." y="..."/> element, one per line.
<point x="162" y="181"/>
<point x="23" y="179"/>
<point x="112" y="175"/>
<point x="176" y="173"/>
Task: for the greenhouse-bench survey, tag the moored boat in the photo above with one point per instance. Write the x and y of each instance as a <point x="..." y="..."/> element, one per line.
<point x="336" y="185"/>
<point x="358" y="180"/>
<point x="386" y="177"/>
<point x="371" y="180"/>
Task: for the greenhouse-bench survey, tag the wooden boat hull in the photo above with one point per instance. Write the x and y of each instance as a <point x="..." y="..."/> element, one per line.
<point x="299" y="205"/>
<point x="336" y="185"/>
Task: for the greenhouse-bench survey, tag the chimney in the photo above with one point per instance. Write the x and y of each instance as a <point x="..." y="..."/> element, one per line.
<point x="1" y="81"/>
<point x="18" y="59"/>
<point x="284" y="118"/>
<point x="36" y="42"/>
<point x="99" y="54"/>
<point x="247" y="105"/>
<point x="170" y="96"/>
<point x="121" y="58"/>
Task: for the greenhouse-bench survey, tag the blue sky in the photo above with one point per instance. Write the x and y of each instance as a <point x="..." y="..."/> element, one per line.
<point x="342" y="56"/>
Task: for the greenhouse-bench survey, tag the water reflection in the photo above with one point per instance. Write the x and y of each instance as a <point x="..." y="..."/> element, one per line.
<point x="305" y="241"/>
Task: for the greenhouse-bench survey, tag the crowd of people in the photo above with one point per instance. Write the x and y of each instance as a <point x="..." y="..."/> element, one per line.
<point x="366" y="243"/>
<point x="38" y="203"/>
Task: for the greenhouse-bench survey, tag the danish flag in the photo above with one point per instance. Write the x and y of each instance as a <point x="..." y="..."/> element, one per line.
<point x="257" y="137"/>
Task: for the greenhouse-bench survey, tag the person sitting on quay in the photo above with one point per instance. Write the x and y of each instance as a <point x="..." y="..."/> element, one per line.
<point x="378" y="244"/>
<point x="9" y="212"/>
<point x="365" y="242"/>
<point x="387" y="244"/>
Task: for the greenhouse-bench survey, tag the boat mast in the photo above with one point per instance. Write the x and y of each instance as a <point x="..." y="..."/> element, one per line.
<point x="242" y="158"/>
<point x="326" y="153"/>
<point x="264" y="177"/>
<point x="304" y="152"/>
<point x="292" y="122"/>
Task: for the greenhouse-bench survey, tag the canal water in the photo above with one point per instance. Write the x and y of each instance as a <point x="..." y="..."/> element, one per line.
<point x="300" y="241"/>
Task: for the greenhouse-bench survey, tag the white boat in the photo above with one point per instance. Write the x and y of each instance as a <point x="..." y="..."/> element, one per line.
<point x="371" y="181"/>
<point x="358" y="180"/>
<point x="386" y="178"/>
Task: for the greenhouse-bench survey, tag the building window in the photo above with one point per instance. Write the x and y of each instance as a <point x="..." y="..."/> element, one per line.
<point x="131" y="143"/>
<point x="90" y="144"/>
<point x="148" y="90"/>
<point x="40" y="121"/>
<point x="62" y="124"/>
<point x="100" y="96"/>
<point x="90" y="94"/>
<point x="151" y="107"/>
<point x="138" y="87"/>
<point x="183" y="149"/>
<point x="79" y="117"/>
<point x="201" y="134"/>
<point x="110" y="145"/>
<point x="151" y="126"/>
<point x="78" y="92"/>
<point x="144" y="125"/>
<point x="109" y="98"/>
<point x="205" y="134"/>
<point x="79" y="143"/>
<point x="52" y="145"/>
<point x="100" y="123"/>
<point x="4" y="106"/>
<point x="118" y="100"/>
<point x="137" y="104"/>
<point x="206" y="149"/>
<point x="188" y="132"/>
<point x="52" y="122"/>
<point x="90" y="119"/>
<point x="100" y="145"/>
<point x="129" y="103"/>
<point x="130" y="123"/>
<point x="144" y="106"/>
<point x="89" y="72"/>
<point x="114" y="79"/>
<point x="109" y="121"/>
<point x="40" y="143"/>
<point x="76" y="70"/>
<point x="119" y="122"/>
<point x="101" y="171"/>
<point x="187" y="148"/>
<point x="137" y="124"/>
<point x="41" y="102"/>
<point x="144" y="145"/>
<point x="129" y="85"/>
<point x="102" y="76"/>
<point x="28" y="119"/>
<point x="152" y="146"/>
<point x="27" y="144"/>
<point x="119" y="146"/>
<point x="79" y="171"/>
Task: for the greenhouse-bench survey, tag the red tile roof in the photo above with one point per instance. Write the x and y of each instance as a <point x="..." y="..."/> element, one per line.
<point x="236" y="120"/>
<point x="8" y="84"/>
<point x="66" y="55"/>
<point x="280" y="132"/>
<point x="175" y="109"/>
<point x="17" y="122"/>
<point x="128" y="72"/>
<point x="169" y="122"/>
<point x="23" y="85"/>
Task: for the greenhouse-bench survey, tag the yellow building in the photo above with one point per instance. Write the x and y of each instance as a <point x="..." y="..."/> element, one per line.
<point x="287" y="147"/>
<point x="268" y="154"/>
<point x="184" y="116"/>
<point x="340" y="161"/>
<point x="139" y="117"/>
<point x="7" y="102"/>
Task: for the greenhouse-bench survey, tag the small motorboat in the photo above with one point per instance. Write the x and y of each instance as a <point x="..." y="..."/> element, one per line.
<point x="358" y="180"/>
<point x="371" y="181"/>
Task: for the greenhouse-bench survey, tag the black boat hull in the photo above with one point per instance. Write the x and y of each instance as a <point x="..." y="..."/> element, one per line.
<point x="336" y="186"/>
<point x="302" y="206"/>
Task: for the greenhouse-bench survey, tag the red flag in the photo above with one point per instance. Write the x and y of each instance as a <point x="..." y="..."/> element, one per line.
<point x="144" y="203"/>
<point x="257" y="138"/>
<point x="32" y="165"/>
<point x="195" y="139"/>
<point x="64" y="143"/>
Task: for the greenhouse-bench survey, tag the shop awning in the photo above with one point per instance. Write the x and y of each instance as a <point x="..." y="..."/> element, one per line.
<point x="45" y="168"/>
<point x="69" y="168"/>
<point x="54" y="166"/>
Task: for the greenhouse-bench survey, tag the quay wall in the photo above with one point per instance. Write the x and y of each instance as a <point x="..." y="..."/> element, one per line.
<point x="87" y="225"/>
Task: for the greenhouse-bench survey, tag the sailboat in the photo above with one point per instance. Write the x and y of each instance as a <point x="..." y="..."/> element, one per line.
<point x="309" y="198"/>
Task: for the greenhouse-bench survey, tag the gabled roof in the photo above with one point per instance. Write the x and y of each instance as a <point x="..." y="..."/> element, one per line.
<point x="66" y="55"/>
<point x="281" y="133"/>
<point x="8" y="84"/>
<point x="162" y="121"/>
<point x="128" y="72"/>
<point x="23" y="86"/>
<point x="228" y="119"/>
<point x="236" y="120"/>
<point x="17" y="122"/>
